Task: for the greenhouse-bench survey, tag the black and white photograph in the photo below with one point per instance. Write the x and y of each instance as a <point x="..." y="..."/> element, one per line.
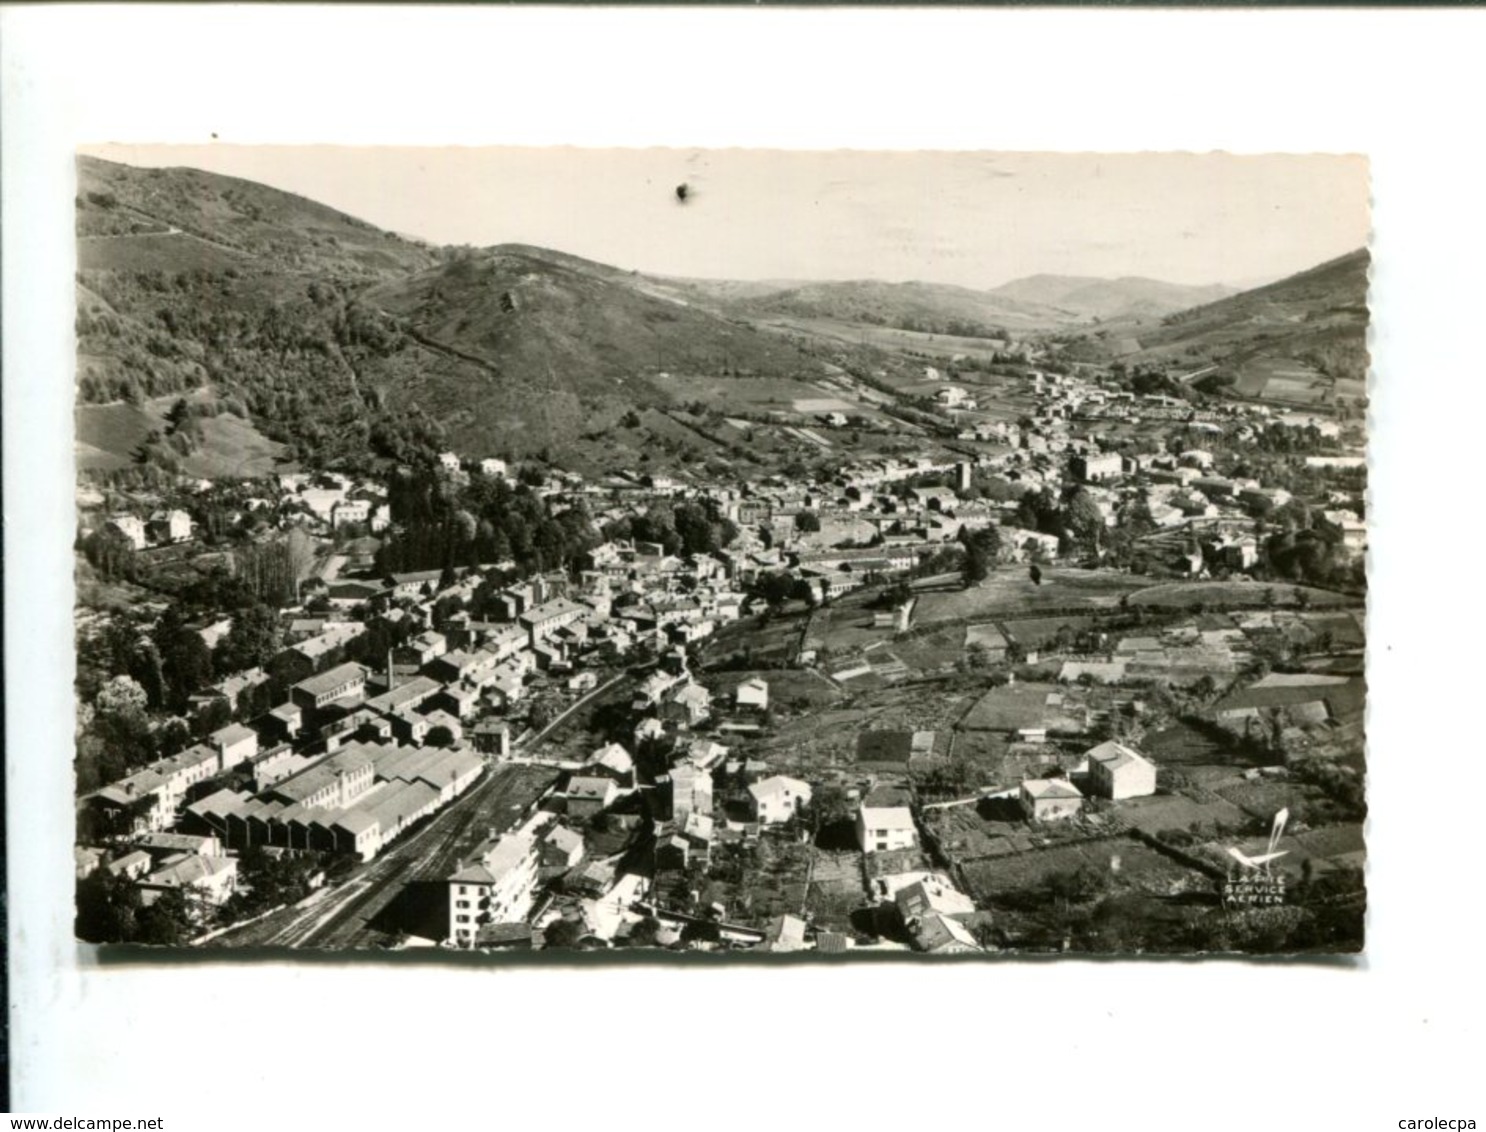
<point x="833" y="552"/>
<point x="591" y="566"/>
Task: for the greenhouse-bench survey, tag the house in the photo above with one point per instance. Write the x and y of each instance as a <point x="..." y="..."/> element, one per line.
<point x="938" y="934"/>
<point x="170" y="526"/>
<point x="613" y="761"/>
<point x="588" y="796"/>
<point x="545" y="619"/>
<point x="752" y="694"/>
<point x="497" y="887"/>
<point x="213" y="879"/>
<point x="688" y="707"/>
<point x="1117" y="771"/>
<point x="776" y="798"/>
<point x="1050" y="799"/>
<point x="348" y="511"/>
<point x="132" y="528"/>
<point x="930" y="896"/>
<point x="492" y="467"/>
<point x="784" y="933"/>
<point x="131" y="865"/>
<point x="234" y="744"/>
<point x="882" y="829"/>
<point x="1097" y="467"/>
<point x="343" y="682"/>
<point x="672" y="853"/>
<point x="493" y="738"/>
<point x="419" y="650"/>
<point x="561" y="848"/>
<point x="691" y="791"/>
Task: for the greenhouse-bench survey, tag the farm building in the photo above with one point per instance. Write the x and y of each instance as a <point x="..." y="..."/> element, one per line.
<point x="1117" y="771"/>
<point x="1050" y="799"/>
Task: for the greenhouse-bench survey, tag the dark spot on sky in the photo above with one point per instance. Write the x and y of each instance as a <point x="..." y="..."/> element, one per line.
<point x="683" y="191"/>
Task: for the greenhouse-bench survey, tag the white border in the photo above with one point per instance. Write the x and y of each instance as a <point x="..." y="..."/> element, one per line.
<point x="1169" y="1045"/>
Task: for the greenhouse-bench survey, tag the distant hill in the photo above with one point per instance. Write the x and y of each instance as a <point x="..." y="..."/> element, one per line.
<point x="204" y="213"/>
<point x="934" y="308"/>
<point x="1129" y="297"/>
<point x="1301" y="339"/>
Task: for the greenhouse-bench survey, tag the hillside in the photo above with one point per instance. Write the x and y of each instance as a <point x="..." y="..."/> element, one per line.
<point x="932" y="308"/>
<point x="1302" y="339"/>
<point x="553" y="346"/>
<point x="237" y="295"/>
<point x="189" y="218"/>
<point x="1128" y="297"/>
<point x="327" y="339"/>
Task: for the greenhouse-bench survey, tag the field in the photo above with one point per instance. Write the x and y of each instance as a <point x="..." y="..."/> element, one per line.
<point x="790" y="690"/>
<point x="845" y="627"/>
<point x="1133" y="865"/>
<point x="827" y="739"/>
<point x="888" y="338"/>
<point x="1189" y="595"/>
<point x="1021" y="706"/>
<point x="1010" y="590"/>
<point x="230" y="447"/>
<point x="1293" y="382"/>
<point x="772" y="881"/>
<point x="1036" y="632"/>
<point x="931" y="652"/>
<point x="835" y="889"/>
<point x="779" y="640"/>
<point x="1177" y="811"/>
<point x="166" y="253"/>
<point x="729" y="393"/>
<point x="1181" y="744"/>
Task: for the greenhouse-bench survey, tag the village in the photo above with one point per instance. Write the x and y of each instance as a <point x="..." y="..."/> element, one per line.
<point x="959" y="702"/>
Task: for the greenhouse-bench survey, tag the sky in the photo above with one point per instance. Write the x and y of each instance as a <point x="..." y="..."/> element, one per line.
<point x="977" y="219"/>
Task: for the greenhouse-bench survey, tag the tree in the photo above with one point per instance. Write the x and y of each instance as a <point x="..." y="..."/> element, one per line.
<point x="644" y="933"/>
<point x="107" y="908"/>
<point x="539" y="715"/>
<point x="252" y="641"/>
<point x="562" y="933"/>
<point x="440" y="736"/>
<point x="186" y="662"/>
<point x="300" y="549"/>
<point x="168" y="922"/>
<point x="975" y="568"/>
<point x="807" y="521"/>
<point x="1086" y="521"/>
<point x="981" y="548"/>
<point x="122" y="697"/>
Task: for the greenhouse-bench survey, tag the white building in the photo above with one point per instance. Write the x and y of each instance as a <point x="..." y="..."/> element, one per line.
<point x="884" y="828"/>
<point x="753" y="693"/>
<point x="1117" y="771"/>
<point x="777" y="798"/>
<point x="496" y="888"/>
<point x="1050" y="799"/>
